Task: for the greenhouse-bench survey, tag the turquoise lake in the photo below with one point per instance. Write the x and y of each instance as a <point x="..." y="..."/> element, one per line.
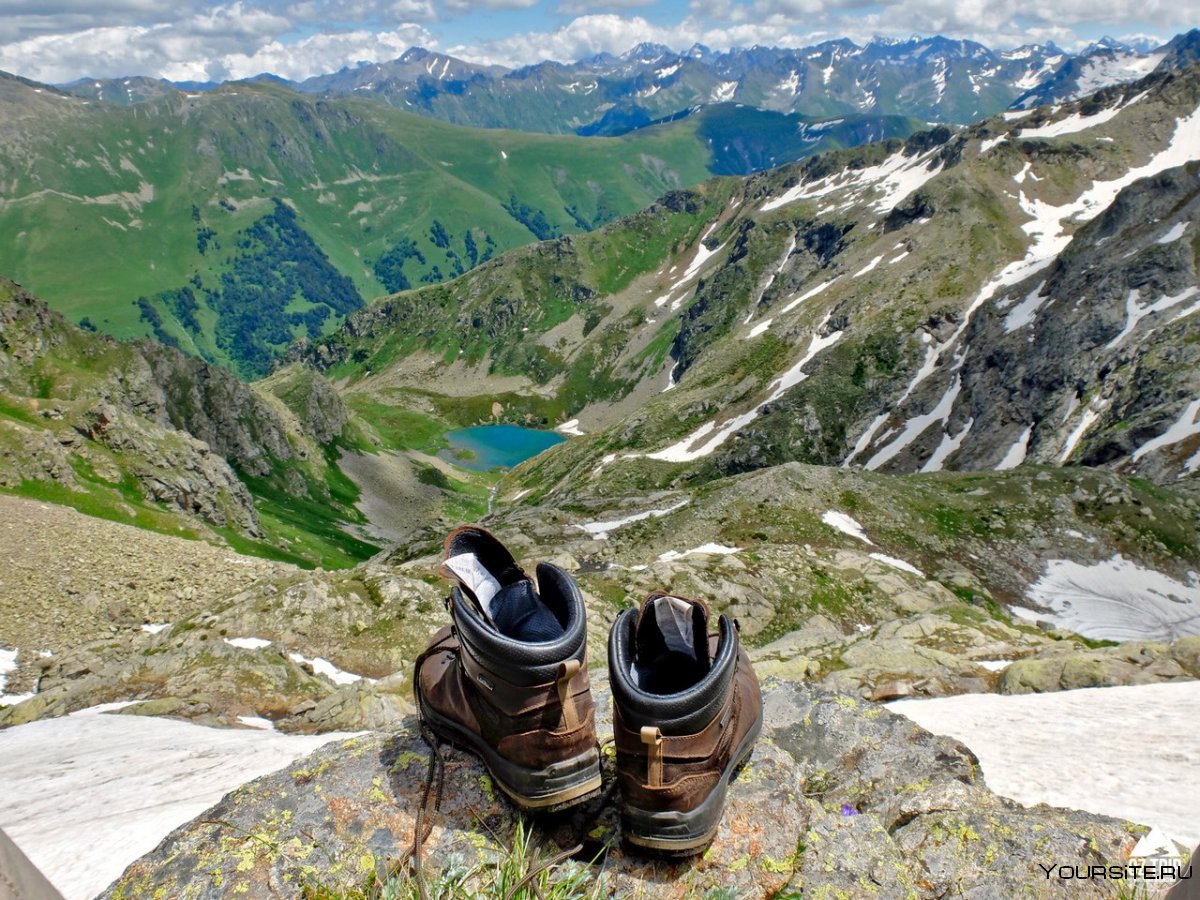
<point x="497" y="446"/>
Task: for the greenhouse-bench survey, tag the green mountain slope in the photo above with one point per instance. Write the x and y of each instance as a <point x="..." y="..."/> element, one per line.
<point x="225" y="211"/>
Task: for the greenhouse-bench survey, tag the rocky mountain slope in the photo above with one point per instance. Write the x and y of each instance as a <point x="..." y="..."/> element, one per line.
<point x="143" y="434"/>
<point x="1106" y="63"/>
<point x="1021" y="291"/>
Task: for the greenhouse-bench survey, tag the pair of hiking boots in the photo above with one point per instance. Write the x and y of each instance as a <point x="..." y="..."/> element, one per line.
<point x="508" y="681"/>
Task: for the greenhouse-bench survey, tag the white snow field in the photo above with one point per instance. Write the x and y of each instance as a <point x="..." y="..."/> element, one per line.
<point x="1128" y="752"/>
<point x="85" y="795"/>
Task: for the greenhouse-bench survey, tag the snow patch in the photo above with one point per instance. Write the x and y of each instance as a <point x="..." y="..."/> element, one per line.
<point x="897" y="564"/>
<point x="248" y="643"/>
<point x="8" y="665"/>
<point x="759" y="329"/>
<point x="988" y="143"/>
<point x="869" y="266"/>
<point x="322" y="666"/>
<point x="892" y="180"/>
<point x="600" y="530"/>
<point x="702" y="550"/>
<point x="994" y="665"/>
<point x="1118" y="600"/>
<point x="1174" y="234"/>
<point x="949" y="444"/>
<point x="155" y="628"/>
<point x="845" y="524"/>
<point x="1090" y="415"/>
<point x="807" y="295"/>
<point x="1186" y="426"/>
<point x="571" y="427"/>
<point x="723" y="92"/>
<point x="1016" y="453"/>
<point x="1026" y="311"/>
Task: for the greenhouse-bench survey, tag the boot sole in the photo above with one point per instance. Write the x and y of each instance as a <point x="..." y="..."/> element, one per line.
<point x="558" y="786"/>
<point x="686" y="833"/>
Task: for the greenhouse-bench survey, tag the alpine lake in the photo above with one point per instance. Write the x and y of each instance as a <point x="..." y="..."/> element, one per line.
<point x="486" y="447"/>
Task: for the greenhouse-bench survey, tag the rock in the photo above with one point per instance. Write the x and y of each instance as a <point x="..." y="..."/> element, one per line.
<point x="891" y="690"/>
<point x="1066" y="665"/>
<point x="840" y="798"/>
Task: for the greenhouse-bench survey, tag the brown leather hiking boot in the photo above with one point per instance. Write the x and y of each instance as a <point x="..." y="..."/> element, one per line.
<point x="686" y="712"/>
<point x="508" y="679"/>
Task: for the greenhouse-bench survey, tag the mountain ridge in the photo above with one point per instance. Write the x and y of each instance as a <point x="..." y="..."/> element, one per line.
<point x="940" y="79"/>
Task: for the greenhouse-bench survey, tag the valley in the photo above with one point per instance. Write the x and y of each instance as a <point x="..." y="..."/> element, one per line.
<point x="920" y="413"/>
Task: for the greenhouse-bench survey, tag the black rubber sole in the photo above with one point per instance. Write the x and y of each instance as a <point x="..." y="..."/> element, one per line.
<point x="686" y="833"/>
<point x="559" y="786"/>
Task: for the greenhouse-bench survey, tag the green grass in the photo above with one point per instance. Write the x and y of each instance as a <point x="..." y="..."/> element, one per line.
<point x="307" y="530"/>
<point x="522" y="870"/>
<point x="398" y="427"/>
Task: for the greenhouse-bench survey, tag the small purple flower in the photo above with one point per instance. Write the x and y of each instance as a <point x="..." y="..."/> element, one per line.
<point x="848" y="810"/>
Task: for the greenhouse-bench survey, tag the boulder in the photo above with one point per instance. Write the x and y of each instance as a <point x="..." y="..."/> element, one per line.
<point x="840" y="798"/>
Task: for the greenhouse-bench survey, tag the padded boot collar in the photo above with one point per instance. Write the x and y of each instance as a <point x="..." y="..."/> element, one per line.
<point x="685" y="712"/>
<point x="521" y="662"/>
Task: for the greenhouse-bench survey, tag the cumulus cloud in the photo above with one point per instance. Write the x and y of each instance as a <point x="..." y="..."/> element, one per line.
<point x="221" y="43"/>
<point x="613" y="33"/>
<point x="996" y="21"/>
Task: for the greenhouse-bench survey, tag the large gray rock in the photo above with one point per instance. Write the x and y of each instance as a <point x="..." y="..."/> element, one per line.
<point x="840" y="798"/>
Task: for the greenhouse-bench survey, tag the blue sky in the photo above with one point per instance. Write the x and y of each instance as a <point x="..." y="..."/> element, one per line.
<point x="60" y="40"/>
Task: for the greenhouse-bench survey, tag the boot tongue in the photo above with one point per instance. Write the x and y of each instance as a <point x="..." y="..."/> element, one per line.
<point x="671" y="644"/>
<point x="515" y="609"/>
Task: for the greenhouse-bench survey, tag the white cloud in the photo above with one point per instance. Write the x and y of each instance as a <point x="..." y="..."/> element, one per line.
<point x="326" y="52"/>
<point x="225" y="42"/>
<point x="612" y="33"/>
<point x="994" y="20"/>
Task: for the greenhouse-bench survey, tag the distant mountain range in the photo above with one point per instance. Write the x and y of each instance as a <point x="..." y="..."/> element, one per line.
<point x="933" y="79"/>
